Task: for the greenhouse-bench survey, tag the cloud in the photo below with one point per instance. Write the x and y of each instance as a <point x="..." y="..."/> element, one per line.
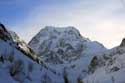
<point x="101" y="20"/>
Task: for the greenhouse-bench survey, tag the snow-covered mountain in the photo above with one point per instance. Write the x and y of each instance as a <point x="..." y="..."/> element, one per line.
<point x="60" y="45"/>
<point x="65" y="51"/>
<point x="59" y="55"/>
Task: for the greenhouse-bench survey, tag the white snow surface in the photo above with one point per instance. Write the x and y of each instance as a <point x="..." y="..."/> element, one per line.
<point x="25" y="75"/>
<point x="114" y="69"/>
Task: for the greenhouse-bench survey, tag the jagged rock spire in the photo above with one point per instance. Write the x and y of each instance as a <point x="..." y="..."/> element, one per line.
<point x="4" y="34"/>
<point x="2" y="27"/>
<point x="123" y="42"/>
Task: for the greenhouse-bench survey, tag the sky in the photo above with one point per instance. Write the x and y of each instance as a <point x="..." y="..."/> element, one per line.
<point x="98" y="20"/>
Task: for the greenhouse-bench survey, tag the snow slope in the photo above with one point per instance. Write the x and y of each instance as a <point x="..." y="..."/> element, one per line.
<point x="16" y="64"/>
<point x="112" y="67"/>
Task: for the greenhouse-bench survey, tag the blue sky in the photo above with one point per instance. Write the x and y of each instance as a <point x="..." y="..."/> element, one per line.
<point x="101" y="20"/>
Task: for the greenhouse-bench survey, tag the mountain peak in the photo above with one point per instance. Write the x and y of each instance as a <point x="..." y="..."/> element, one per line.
<point x="51" y="30"/>
<point x="61" y="44"/>
<point x="61" y="28"/>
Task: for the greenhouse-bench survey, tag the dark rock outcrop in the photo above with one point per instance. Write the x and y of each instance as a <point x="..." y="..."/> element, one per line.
<point x="6" y="35"/>
<point x="122" y="43"/>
